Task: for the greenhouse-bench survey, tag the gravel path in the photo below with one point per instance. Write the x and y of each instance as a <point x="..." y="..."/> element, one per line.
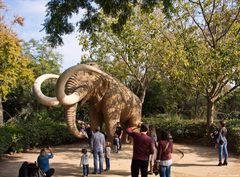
<point x="189" y="161"/>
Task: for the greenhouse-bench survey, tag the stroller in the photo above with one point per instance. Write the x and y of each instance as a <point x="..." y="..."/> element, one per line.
<point x="30" y="170"/>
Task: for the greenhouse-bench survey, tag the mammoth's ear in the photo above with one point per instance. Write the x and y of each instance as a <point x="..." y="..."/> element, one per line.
<point x="102" y="88"/>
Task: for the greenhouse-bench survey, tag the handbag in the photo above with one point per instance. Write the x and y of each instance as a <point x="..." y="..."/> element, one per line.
<point x="156" y="168"/>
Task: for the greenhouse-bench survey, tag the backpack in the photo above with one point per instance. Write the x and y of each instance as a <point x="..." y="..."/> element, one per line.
<point x="30" y="170"/>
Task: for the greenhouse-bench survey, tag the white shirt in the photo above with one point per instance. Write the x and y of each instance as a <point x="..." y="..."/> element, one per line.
<point x="84" y="159"/>
<point x="107" y="152"/>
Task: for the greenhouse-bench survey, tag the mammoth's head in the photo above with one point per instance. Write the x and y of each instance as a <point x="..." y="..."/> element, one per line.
<point x="75" y="85"/>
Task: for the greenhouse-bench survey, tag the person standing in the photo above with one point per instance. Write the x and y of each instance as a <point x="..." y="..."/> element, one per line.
<point x="43" y="161"/>
<point x="142" y="147"/>
<point x="164" y="155"/>
<point x="222" y="144"/>
<point x="107" y="155"/>
<point x="152" y="157"/>
<point x="115" y="143"/>
<point x="98" y="145"/>
<point x="119" y="132"/>
<point x="84" y="162"/>
<point x="89" y="133"/>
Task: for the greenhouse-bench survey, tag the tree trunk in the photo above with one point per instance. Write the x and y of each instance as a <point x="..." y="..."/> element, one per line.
<point x="210" y="113"/>
<point x="142" y="94"/>
<point x="1" y="113"/>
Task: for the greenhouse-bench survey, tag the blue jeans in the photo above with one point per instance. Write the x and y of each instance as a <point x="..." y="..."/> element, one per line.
<point x="98" y="157"/>
<point x="107" y="160"/>
<point x="165" y="171"/>
<point x="222" y="149"/>
<point x="85" y="170"/>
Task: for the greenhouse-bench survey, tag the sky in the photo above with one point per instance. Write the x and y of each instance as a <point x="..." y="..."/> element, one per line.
<point x="34" y="13"/>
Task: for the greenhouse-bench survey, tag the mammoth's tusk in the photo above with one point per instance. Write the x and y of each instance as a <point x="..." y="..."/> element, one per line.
<point x="45" y="100"/>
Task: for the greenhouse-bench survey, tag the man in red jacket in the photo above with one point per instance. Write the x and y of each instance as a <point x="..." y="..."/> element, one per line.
<point x="142" y="147"/>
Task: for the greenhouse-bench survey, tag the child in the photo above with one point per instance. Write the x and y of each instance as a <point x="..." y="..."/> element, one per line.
<point x="107" y="155"/>
<point x="84" y="162"/>
<point x="115" y="143"/>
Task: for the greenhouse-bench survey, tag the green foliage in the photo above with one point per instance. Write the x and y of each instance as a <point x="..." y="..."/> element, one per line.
<point x="25" y="135"/>
<point x="233" y="135"/>
<point x="59" y="12"/>
<point x="13" y="64"/>
<point x="5" y="140"/>
<point x="194" y="131"/>
<point x="44" y="58"/>
<point x="181" y="129"/>
<point x="21" y="102"/>
<point x="137" y="55"/>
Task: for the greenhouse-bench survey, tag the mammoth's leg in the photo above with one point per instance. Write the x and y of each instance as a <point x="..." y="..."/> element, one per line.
<point x="95" y="119"/>
<point x="133" y="121"/>
<point x="124" y="137"/>
<point x="111" y="122"/>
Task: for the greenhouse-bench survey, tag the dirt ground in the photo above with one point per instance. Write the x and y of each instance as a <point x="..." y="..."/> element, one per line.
<point x="188" y="161"/>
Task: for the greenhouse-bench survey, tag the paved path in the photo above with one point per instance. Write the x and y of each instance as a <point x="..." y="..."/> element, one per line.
<point x="189" y="161"/>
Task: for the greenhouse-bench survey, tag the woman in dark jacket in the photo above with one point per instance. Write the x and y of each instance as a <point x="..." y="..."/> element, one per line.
<point x="164" y="155"/>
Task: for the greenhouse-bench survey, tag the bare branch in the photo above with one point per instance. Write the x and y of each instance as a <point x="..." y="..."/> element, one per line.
<point x="194" y="2"/>
<point x="226" y="93"/>
<point x="204" y="35"/>
<point x="213" y="8"/>
<point x="207" y="22"/>
<point x="229" y="27"/>
<point x="130" y="68"/>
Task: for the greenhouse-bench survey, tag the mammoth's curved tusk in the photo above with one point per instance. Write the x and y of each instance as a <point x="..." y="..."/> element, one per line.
<point x="45" y="100"/>
<point x="61" y="82"/>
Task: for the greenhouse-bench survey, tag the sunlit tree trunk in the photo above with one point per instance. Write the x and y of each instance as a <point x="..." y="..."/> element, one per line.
<point x="211" y="113"/>
<point x="1" y="113"/>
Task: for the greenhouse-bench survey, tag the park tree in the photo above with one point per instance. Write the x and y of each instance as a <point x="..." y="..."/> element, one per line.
<point x="44" y="59"/>
<point x="135" y="55"/>
<point x="14" y="66"/>
<point x="208" y="33"/>
<point x="59" y="13"/>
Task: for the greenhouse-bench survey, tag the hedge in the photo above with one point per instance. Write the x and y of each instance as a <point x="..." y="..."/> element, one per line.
<point x="194" y="131"/>
<point x="20" y="136"/>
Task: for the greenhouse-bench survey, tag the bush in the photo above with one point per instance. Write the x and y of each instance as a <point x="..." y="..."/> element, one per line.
<point x="181" y="129"/>
<point x="25" y="135"/>
<point x="233" y="135"/>
<point x="194" y="131"/>
<point x="5" y="140"/>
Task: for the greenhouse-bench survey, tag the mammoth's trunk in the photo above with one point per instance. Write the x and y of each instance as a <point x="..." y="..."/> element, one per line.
<point x="71" y="121"/>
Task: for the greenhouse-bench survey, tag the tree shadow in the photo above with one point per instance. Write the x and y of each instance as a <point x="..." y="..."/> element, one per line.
<point x="65" y="169"/>
<point x="191" y="165"/>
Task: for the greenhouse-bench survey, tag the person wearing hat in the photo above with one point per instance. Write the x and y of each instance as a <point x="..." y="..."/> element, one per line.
<point x="143" y="146"/>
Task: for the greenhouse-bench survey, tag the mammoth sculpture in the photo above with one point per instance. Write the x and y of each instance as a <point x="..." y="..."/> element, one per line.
<point x="110" y="101"/>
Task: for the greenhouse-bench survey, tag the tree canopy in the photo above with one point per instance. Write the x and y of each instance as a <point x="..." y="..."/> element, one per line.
<point x="196" y="50"/>
<point x="57" y="22"/>
<point x="209" y="61"/>
<point x="137" y="54"/>
<point x="13" y="64"/>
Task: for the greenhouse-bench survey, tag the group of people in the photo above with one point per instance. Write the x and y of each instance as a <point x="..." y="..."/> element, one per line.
<point x="147" y="151"/>
<point x="101" y="150"/>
